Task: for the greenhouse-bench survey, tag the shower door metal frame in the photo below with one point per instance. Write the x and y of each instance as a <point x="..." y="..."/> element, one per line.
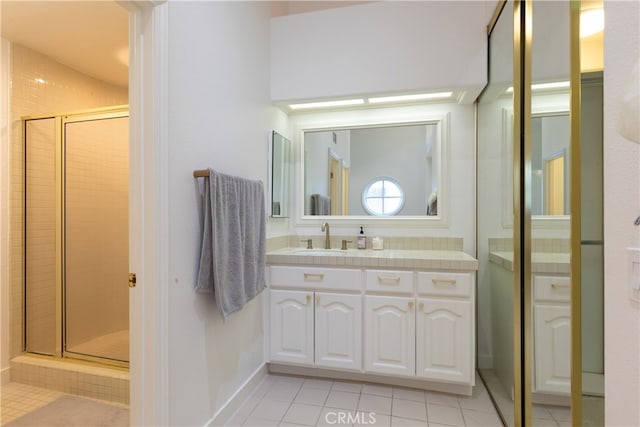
<point x="60" y="121"/>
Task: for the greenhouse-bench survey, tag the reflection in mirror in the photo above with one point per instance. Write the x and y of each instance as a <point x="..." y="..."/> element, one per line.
<point x="495" y="222"/>
<point x="280" y="169"/>
<point x="550" y="164"/>
<point x="341" y="167"/>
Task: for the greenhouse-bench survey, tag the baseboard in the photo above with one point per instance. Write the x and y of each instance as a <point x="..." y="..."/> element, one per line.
<point x="485" y="361"/>
<point x="461" y="389"/>
<point x="6" y="376"/>
<point x="233" y="403"/>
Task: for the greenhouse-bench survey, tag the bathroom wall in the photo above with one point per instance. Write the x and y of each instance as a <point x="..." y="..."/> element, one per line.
<point x="621" y="207"/>
<point x="381" y="47"/>
<point x="62" y="90"/>
<point x="221" y="117"/>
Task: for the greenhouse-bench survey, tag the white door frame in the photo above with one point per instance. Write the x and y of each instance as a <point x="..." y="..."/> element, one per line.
<point x="148" y="215"/>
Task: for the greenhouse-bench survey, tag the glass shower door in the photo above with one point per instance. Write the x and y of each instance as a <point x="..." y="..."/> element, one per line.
<point x="41" y="248"/>
<point x="96" y="259"/>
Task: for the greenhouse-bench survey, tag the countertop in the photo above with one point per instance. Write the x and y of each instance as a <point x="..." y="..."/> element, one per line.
<point x="541" y="262"/>
<point x="386" y="258"/>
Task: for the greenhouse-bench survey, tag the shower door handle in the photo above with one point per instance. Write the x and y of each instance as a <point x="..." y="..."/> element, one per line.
<point x="132" y="280"/>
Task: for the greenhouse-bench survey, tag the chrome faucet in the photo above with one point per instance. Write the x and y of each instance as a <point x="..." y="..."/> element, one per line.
<point x="327" y="237"/>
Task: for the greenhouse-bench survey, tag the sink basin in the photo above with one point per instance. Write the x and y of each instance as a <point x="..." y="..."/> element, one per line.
<point x="326" y="252"/>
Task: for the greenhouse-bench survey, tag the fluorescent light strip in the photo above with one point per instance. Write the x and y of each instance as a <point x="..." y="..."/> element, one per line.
<point x="591" y="22"/>
<point x="544" y="86"/>
<point x="327" y="104"/>
<point x="415" y="97"/>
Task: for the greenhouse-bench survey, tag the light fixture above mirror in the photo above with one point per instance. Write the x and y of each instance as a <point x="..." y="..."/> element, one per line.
<point x="373" y="100"/>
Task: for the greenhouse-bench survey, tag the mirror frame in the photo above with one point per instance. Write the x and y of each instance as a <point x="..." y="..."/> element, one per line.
<point x="368" y="119"/>
<point x="286" y="173"/>
<point x="539" y="109"/>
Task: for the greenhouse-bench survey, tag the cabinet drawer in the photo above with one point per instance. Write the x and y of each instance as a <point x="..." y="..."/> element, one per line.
<point x="551" y="288"/>
<point x="450" y="284"/>
<point x="315" y="278"/>
<point x="388" y="281"/>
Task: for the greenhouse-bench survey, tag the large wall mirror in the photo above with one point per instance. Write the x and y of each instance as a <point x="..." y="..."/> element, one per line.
<point x="375" y="171"/>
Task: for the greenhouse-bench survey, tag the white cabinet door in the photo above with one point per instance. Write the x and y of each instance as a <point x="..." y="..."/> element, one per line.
<point x="292" y="327"/>
<point x="444" y="340"/>
<point x="389" y="335"/>
<point x="552" y="339"/>
<point x="338" y="330"/>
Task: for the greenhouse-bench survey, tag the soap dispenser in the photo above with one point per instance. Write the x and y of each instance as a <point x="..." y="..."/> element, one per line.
<point x="362" y="240"/>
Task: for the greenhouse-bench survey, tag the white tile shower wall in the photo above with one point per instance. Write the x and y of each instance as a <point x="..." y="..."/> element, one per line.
<point x="83" y="380"/>
<point x="63" y="90"/>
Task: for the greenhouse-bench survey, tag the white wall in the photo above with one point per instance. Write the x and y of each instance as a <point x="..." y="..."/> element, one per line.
<point x="220" y="117"/>
<point x="621" y="207"/>
<point x="380" y="47"/>
<point x="4" y="210"/>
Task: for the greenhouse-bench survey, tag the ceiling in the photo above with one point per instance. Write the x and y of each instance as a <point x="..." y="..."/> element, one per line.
<point x="89" y="36"/>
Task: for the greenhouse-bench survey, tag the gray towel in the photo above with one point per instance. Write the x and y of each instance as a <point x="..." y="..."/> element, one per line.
<point x="320" y="205"/>
<point x="232" y="259"/>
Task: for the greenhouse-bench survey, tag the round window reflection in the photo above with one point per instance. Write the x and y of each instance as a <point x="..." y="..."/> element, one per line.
<point x="383" y="197"/>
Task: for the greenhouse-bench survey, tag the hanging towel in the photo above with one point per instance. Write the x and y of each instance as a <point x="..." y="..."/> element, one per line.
<point x="320" y="205"/>
<point x="232" y="258"/>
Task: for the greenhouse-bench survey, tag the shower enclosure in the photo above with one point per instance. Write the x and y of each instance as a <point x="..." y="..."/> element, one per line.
<point x="76" y="228"/>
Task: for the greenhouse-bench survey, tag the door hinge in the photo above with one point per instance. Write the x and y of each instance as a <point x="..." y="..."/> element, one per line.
<point x="132" y="280"/>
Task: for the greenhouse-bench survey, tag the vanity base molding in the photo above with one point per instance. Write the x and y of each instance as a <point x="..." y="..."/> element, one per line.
<point x="277" y="368"/>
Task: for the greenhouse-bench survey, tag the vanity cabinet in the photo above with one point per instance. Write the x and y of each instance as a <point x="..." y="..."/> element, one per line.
<point x="292" y="326"/>
<point x="338" y="328"/>
<point x="552" y="334"/>
<point x="445" y="346"/>
<point x="403" y="323"/>
<point x="389" y="335"/>
<point x="312" y="327"/>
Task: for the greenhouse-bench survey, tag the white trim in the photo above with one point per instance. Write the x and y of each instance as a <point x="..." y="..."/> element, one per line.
<point x="414" y="382"/>
<point x="235" y="401"/>
<point x="149" y="229"/>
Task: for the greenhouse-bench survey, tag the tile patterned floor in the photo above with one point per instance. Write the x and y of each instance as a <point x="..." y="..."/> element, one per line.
<point x="284" y="401"/>
<point x="18" y="399"/>
<point x="545" y="415"/>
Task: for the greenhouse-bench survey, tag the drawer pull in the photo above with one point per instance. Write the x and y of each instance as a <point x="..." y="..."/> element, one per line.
<point x="444" y="281"/>
<point x="314" y="276"/>
<point x="317" y="299"/>
<point x="421" y="305"/>
<point x="410" y="305"/>
<point x="559" y="285"/>
<point x="383" y="278"/>
<point x="308" y="299"/>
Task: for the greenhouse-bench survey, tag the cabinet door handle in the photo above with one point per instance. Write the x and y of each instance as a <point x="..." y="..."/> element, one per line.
<point x="560" y="285"/>
<point x="317" y="299"/>
<point x="383" y="278"/>
<point x="421" y="305"/>
<point x="410" y="305"/>
<point x="315" y="276"/>
<point x="308" y="299"/>
<point x="437" y="282"/>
